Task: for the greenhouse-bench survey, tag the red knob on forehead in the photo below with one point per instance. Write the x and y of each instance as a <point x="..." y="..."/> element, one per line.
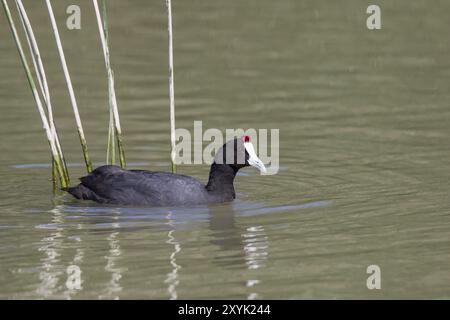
<point x="245" y="139"/>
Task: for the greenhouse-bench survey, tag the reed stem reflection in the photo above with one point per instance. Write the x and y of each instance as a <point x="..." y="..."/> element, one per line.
<point x="114" y="288"/>
<point x="51" y="246"/>
<point x="172" y="277"/>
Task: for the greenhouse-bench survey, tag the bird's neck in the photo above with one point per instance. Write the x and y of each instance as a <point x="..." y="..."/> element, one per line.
<point x="221" y="177"/>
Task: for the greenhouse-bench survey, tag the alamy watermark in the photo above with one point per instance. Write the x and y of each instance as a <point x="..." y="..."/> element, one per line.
<point x="73" y="277"/>
<point x="73" y="21"/>
<point x="257" y="142"/>
<point x="374" y="280"/>
<point x="373" y="21"/>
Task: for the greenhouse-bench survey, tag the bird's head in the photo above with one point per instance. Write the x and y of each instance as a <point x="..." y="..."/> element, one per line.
<point x="239" y="153"/>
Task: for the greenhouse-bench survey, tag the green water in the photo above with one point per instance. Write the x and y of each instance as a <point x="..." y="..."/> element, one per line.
<point x="364" y="156"/>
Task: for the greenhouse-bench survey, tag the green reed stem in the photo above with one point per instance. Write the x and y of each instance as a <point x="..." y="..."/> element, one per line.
<point x="111" y="149"/>
<point x="49" y="134"/>
<point x="103" y="30"/>
<point x="70" y="88"/>
<point x="42" y="80"/>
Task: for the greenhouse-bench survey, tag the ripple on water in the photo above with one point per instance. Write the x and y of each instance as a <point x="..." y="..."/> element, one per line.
<point x="101" y="217"/>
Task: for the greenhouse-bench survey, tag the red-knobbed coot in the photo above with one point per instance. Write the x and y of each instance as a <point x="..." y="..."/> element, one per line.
<point x="114" y="185"/>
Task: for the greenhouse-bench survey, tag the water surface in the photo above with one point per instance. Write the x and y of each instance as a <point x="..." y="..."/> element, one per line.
<point x="364" y="127"/>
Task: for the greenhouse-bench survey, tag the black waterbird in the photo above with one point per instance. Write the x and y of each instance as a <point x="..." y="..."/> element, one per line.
<point x="113" y="185"/>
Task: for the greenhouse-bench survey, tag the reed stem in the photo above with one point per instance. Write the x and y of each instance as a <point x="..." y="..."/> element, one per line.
<point x="54" y="177"/>
<point x="111" y="149"/>
<point x="171" y="86"/>
<point x="42" y="80"/>
<point x="70" y="88"/>
<point x="103" y="31"/>
<point x="50" y="138"/>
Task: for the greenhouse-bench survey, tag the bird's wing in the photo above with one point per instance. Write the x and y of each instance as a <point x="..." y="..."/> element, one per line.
<point x="116" y="185"/>
<point x="120" y="186"/>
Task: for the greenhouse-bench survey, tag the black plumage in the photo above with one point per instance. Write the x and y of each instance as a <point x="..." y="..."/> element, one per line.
<point x="114" y="185"/>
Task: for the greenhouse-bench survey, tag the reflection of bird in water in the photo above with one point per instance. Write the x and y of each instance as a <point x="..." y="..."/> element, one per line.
<point x="247" y="248"/>
<point x="227" y="236"/>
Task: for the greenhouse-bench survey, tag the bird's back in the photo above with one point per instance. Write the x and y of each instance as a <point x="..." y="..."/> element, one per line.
<point x="112" y="184"/>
